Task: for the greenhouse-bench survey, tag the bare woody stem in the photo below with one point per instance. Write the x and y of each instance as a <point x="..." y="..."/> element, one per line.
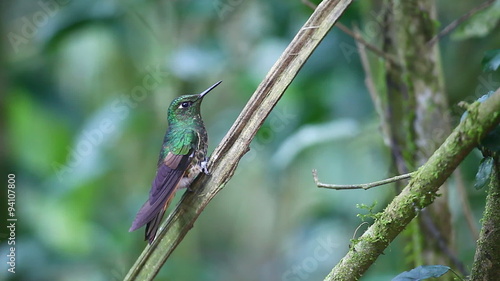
<point x="359" y="186"/>
<point x="236" y="143"/>
<point x="421" y="191"/>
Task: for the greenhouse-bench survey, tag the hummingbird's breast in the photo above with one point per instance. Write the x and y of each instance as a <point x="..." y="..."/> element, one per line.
<point x="199" y="155"/>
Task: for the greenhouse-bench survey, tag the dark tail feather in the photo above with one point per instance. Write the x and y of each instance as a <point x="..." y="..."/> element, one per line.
<point x="152" y="226"/>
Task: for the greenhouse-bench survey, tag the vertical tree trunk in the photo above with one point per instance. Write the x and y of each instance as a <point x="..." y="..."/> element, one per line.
<point x="487" y="259"/>
<point x="416" y="116"/>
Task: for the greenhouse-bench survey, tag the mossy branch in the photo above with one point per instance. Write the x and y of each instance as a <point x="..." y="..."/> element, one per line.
<point x="420" y="191"/>
<point x="236" y="143"/>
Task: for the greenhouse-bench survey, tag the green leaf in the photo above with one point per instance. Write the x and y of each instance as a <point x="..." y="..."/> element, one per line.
<point x="479" y="25"/>
<point x="484" y="173"/>
<point x="422" y="272"/>
<point x="491" y="60"/>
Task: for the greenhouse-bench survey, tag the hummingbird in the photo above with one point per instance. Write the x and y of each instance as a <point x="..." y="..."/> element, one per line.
<point x="182" y="159"/>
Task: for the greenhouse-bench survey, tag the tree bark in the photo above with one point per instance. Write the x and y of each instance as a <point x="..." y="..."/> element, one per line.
<point x="487" y="258"/>
<point x="416" y="112"/>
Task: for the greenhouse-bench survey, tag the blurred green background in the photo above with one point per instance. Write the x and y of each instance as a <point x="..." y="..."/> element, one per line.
<point x="84" y="90"/>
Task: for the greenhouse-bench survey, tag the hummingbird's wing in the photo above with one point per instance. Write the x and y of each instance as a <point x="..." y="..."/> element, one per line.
<point x="174" y="161"/>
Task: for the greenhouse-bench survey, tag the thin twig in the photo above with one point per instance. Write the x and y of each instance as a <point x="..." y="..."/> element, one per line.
<point x="357" y="37"/>
<point x="370" y="85"/>
<point x="359" y="186"/>
<point x="309" y="4"/>
<point x="369" y="82"/>
<point x="369" y="46"/>
<point x="454" y="24"/>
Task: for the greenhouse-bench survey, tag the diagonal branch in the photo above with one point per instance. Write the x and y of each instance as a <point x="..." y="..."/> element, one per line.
<point x="420" y="191"/>
<point x="454" y="24"/>
<point x="236" y="143"/>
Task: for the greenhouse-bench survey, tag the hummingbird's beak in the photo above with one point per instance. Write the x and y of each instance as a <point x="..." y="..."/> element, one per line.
<point x="209" y="89"/>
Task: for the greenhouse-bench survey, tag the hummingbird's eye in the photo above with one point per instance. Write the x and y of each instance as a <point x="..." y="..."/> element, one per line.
<point x="185" y="104"/>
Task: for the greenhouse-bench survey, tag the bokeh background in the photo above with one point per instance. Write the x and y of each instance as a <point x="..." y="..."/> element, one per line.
<point x="84" y="90"/>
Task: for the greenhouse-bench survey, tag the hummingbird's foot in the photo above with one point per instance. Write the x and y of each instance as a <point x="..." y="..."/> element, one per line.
<point x="204" y="168"/>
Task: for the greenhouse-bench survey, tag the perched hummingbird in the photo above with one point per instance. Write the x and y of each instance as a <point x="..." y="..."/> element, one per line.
<point x="182" y="158"/>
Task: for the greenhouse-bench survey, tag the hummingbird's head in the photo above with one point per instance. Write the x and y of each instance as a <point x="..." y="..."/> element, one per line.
<point x="187" y="107"/>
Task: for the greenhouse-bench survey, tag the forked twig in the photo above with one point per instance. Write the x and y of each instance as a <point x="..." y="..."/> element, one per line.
<point x="364" y="186"/>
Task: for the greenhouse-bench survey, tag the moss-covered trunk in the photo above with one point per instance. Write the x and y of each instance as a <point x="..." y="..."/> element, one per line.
<point x="416" y="115"/>
<point x="487" y="259"/>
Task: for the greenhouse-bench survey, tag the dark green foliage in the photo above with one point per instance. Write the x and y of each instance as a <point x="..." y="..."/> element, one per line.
<point x="483" y="175"/>
<point x="491" y="60"/>
<point x="422" y="272"/>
